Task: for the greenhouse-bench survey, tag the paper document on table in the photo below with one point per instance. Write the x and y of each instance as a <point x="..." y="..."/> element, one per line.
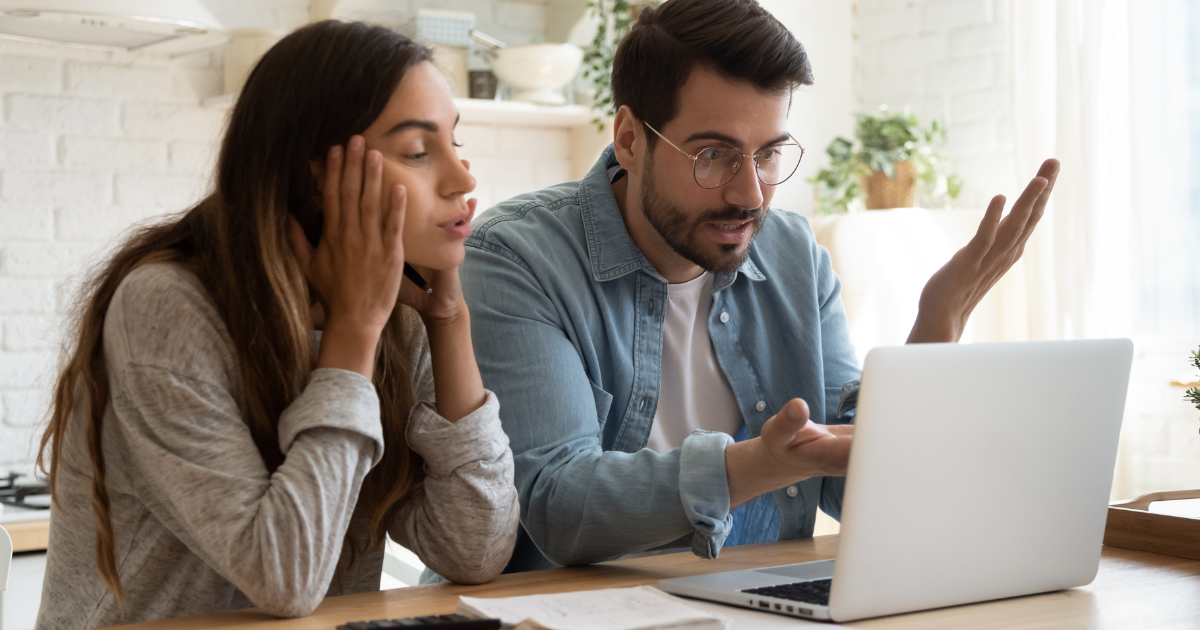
<point x="639" y="608"/>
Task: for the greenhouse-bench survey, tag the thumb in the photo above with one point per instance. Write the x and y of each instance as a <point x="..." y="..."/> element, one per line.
<point x="299" y="244"/>
<point x="783" y="426"/>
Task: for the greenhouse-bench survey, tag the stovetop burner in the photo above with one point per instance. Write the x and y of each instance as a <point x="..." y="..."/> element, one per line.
<point x="33" y="496"/>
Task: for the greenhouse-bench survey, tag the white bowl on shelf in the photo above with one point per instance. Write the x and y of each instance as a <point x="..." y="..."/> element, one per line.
<point x="537" y="73"/>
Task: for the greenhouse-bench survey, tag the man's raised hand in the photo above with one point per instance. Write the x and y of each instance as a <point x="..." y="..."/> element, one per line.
<point x="956" y="289"/>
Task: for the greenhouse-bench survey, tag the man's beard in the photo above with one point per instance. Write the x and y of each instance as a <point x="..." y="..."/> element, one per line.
<point x="682" y="233"/>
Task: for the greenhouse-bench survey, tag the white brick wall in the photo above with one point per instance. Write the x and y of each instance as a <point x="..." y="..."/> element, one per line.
<point x="92" y="143"/>
<point x="510" y="160"/>
<point x="948" y="59"/>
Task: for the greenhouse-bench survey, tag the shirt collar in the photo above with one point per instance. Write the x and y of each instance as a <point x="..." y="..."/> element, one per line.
<point x="611" y="250"/>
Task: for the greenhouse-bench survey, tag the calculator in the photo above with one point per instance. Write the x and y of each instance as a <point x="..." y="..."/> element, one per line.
<point x="434" y="622"/>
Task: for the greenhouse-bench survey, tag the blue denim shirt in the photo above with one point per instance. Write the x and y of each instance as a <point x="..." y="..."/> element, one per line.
<point x="567" y="320"/>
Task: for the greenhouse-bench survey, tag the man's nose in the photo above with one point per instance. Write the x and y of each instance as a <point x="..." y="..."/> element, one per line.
<point x="744" y="190"/>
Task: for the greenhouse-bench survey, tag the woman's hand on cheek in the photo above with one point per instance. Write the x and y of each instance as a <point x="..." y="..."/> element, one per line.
<point x="443" y="302"/>
<point x="358" y="264"/>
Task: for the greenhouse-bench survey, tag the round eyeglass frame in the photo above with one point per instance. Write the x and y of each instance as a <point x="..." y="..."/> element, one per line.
<point x="737" y="167"/>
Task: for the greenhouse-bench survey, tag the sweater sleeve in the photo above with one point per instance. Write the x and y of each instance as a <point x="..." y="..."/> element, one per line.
<point x="276" y="536"/>
<point x="462" y="520"/>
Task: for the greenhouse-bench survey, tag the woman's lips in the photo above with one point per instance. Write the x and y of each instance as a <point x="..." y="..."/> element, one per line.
<point x="459" y="227"/>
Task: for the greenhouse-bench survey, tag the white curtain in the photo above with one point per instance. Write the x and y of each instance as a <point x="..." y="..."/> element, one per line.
<point x="1112" y="89"/>
<point x="1070" y="76"/>
<point x="1165" y="97"/>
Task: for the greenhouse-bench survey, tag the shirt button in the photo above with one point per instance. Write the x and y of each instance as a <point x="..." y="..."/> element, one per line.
<point x="793" y="491"/>
<point x="760" y="405"/>
<point x="642" y="405"/>
<point x="724" y="318"/>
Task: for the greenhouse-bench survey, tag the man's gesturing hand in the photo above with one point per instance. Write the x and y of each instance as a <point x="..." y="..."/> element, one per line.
<point x="954" y="291"/>
<point x="791" y="448"/>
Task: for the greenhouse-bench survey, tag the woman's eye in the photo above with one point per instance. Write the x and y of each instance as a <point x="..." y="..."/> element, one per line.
<point x="417" y="156"/>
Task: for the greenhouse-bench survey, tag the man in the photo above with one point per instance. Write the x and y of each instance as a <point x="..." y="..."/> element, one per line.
<point x="672" y="359"/>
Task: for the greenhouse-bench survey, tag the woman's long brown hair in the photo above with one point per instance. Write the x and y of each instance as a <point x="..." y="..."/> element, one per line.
<point x="314" y="89"/>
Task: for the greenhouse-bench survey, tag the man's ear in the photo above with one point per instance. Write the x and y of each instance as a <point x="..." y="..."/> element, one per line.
<point x="629" y="139"/>
<point x="318" y="172"/>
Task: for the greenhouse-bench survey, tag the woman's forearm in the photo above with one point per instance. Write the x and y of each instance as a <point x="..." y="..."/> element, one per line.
<point x="456" y="381"/>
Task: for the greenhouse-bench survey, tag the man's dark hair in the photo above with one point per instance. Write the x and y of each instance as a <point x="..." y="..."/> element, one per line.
<point x="737" y="39"/>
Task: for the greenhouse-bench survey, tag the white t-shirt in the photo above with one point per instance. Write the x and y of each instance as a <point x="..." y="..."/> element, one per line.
<point x="694" y="393"/>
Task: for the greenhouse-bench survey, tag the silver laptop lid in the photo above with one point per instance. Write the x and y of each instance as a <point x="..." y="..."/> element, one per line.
<point x="1005" y="450"/>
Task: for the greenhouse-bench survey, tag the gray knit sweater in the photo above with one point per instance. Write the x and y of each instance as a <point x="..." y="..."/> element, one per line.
<point x="199" y="523"/>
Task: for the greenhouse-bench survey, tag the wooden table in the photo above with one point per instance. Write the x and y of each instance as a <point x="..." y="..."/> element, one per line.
<point x="1134" y="589"/>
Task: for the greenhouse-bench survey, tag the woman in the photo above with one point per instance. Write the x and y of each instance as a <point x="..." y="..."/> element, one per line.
<point x="209" y="449"/>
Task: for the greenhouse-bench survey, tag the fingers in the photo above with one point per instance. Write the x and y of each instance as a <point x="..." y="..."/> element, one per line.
<point x="372" y="215"/>
<point x="783" y="426"/>
<point x="331" y="192"/>
<point x="841" y="430"/>
<point x="352" y="182"/>
<point x="985" y="236"/>
<point x="1023" y="208"/>
<point x="299" y="243"/>
<point x="1049" y="170"/>
<point x="1014" y="228"/>
<point x="393" y="222"/>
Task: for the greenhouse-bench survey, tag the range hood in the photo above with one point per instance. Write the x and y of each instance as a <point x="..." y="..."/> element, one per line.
<point x="166" y="27"/>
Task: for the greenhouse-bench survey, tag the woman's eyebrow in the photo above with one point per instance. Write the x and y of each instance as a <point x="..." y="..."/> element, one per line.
<point x="427" y="125"/>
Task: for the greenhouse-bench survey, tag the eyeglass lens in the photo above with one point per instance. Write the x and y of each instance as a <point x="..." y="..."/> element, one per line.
<point x="715" y="166"/>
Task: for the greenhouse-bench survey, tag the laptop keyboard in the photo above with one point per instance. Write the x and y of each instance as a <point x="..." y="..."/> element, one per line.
<point x="810" y="592"/>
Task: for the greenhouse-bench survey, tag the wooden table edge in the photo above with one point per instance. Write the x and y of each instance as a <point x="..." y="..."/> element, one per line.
<point x="1130" y="569"/>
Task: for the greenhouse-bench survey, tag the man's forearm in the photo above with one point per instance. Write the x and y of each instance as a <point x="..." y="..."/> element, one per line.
<point x="935" y="329"/>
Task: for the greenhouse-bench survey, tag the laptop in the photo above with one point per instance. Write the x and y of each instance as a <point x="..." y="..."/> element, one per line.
<point x="977" y="472"/>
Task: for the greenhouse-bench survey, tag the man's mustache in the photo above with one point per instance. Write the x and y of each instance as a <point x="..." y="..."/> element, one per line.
<point x="732" y="215"/>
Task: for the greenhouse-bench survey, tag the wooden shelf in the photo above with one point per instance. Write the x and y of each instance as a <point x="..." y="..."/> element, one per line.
<point x="476" y="111"/>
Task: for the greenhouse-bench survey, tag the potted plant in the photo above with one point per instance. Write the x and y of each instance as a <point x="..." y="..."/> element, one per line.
<point x="613" y="20"/>
<point x="895" y="163"/>
<point x="1192" y="395"/>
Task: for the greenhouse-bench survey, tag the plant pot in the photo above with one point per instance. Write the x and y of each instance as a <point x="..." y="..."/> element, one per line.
<point x="883" y="192"/>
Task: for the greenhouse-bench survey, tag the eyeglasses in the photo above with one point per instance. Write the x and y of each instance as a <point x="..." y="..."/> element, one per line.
<point x="716" y="166"/>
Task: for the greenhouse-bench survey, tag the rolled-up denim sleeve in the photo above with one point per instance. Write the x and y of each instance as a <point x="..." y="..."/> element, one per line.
<point x="704" y="490"/>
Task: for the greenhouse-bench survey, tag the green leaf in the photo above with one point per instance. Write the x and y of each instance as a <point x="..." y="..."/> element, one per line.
<point x="882" y="140"/>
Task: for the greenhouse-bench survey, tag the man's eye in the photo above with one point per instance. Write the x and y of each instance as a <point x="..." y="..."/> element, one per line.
<point x="770" y="154"/>
<point x="714" y="154"/>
